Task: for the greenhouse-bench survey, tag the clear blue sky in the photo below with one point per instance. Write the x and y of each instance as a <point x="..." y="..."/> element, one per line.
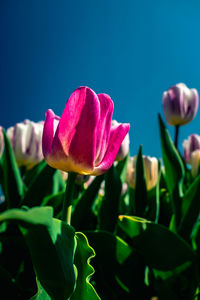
<point x="131" y="50"/>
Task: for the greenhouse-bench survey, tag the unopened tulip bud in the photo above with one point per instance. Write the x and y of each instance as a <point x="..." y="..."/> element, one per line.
<point x="190" y="145"/>
<point x="124" y="148"/>
<point x="150" y="171"/>
<point x="195" y="162"/>
<point x="180" y="104"/>
<point x="26" y="141"/>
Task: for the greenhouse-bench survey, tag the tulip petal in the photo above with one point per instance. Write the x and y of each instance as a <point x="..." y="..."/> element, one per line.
<point x="117" y="135"/>
<point x="193" y="104"/>
<point x="50" y="126"/>
<point x="104" y="125"/>
<point x="77" y="127"/>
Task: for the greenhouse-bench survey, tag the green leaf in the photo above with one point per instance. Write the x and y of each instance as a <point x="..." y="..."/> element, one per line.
<point x="109" y="209"/>
<point x="31" y="175"/>
<point x="174" y="168"/>
<point x="140" y="200"/>
<point x="51" y="245"/>
<point x="41" y="294"/>
<point x="161" y="248"/>
<point x="12" y="184"/>
<point x="54" y="200"/>
<point x="41" y="185"/>
<point x="82" y="215"/>
<point x="122" y="168"/>
<point x="84" y="289"/>
<point x="190" y="209"/>
<point x="196" y="237"/>
<point x="153" y="200"/>
<point x="114" y="262"/>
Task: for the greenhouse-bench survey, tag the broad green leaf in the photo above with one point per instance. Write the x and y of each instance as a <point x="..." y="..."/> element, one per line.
<point x="82" y="215"/>
<point x="51" y="245"/>
<point x="161" y="248"/>
<point x="109" y="209"/>
<point x="119" y="270"/>
<point x="190" y="209"/>
<point x="174" y="168"/>
<point x="84" y="253"/>
<point x="12" y="184"/>
<point x="41" y="293"/>
<point x="179" y="283"/>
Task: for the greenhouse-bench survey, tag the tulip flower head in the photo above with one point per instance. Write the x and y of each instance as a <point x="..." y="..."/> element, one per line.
<point x="195" y="162"/>
<point x="150" y="171"/>
<point x="124" y="148"/>
<point x="190" y="145"/>
<point x="82" y="139"/>
<point x="180" y="104"/>
<point x="26" y="141"/>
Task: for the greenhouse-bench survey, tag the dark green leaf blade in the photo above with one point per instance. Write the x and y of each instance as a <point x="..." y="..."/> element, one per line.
<point x="82" y="213"/>
<point x="84" y="252"/>
<point x="190" y="209"/>
<point x="51" y="245"/>
<point x="109" y="209"/>
<point x="174" y="168"/>
<point x="140" y="187"/>
<point x="12" y="184"/>
<point x="40" y="186"/>
<point x="162" y="249"/>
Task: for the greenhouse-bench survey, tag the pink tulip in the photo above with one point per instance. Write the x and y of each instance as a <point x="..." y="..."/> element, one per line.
<point x="82" y="140"/>
<point x="124" y="147"/>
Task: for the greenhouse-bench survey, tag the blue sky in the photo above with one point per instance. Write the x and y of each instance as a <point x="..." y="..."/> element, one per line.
<point x="131" y="50"/>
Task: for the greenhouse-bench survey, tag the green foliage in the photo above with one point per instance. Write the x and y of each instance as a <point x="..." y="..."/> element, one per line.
<point x="162" y="249"/>
<point x="174" y="168"/>
<point x="140" y="199"/>
<point x="83" y="255"/>
<point x="11" y="181"/>
<point x="124" y="243"/>
<point x="44" y="234"/>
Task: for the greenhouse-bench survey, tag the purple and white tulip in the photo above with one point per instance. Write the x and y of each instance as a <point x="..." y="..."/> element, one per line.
<point x="180" y="104"/>
<point x="190" y="145"/>
<point x="26" y="141"/>
<point x="150" y="171"/>
<point x="82" y="139"/>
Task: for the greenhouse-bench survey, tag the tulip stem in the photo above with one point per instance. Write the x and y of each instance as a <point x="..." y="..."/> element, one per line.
<point x="68" y="197"/>
<point x="176" y="136"/>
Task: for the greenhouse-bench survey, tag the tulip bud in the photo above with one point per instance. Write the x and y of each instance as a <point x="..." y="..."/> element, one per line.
<point x="180" y="104"/>
<point x="190" y="145"/>
<point x="1" y="141"/>
<point x="124" y="148"/>
<point x="195" y="162"/>
<point x="26" y="141"/>
<point x="150" y="171"/>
